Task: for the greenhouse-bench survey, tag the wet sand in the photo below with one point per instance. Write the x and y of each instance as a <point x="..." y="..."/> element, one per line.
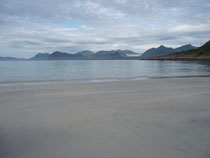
<point x="154" y="118"/>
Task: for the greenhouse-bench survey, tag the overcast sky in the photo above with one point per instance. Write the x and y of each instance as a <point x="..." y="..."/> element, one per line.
<point x="31" y="26"/>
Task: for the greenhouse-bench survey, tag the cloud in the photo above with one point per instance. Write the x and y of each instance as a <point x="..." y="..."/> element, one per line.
<point x="29" y="26"/>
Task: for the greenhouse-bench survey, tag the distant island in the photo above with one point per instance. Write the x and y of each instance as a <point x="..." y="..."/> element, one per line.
<point x="185" y="52"/>
<point x="83" y="55"/>
<point x="11" y="59"/>
<point x="88" y="55"/>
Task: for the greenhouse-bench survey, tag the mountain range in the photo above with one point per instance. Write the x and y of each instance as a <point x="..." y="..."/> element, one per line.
<point x="88" y="55"/>
<point x="161" y="53"/>
<point x="200" y="53"/>
<point x="162" y="50"/>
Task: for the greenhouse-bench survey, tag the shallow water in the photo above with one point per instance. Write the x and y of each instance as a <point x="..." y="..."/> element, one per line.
<point x="99" y="70"/>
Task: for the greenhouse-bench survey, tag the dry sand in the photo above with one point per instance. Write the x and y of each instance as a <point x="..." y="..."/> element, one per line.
<point x="159" y="118"/>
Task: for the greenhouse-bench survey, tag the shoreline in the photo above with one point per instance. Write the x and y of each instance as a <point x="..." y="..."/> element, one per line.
<point x="76" y="81"/>
<point x="179" y="59"/>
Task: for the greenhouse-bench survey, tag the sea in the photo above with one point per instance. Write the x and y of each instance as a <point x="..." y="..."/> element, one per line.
<point x="98" y="70"/>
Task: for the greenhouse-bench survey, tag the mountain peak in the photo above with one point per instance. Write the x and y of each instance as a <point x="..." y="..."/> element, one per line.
<point x="161" y="46"/>
<point x="188" y="44"/>
<point x="185" y="48"/>
<point x="56" y="52"/>
<point x="40" y="56"/>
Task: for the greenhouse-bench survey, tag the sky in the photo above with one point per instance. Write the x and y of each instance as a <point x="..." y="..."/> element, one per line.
<point x="31" y="26"/>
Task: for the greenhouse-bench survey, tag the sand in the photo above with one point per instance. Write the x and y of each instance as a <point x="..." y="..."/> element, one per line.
<point x="156" y="118"/>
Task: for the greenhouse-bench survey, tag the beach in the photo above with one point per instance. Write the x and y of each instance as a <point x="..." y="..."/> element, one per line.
<point x="151" y="118"/>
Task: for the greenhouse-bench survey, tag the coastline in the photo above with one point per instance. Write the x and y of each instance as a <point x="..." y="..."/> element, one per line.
<point x="95" y="80"/>
<point x="178" y="59"/>
<point x="140" y="118"/>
